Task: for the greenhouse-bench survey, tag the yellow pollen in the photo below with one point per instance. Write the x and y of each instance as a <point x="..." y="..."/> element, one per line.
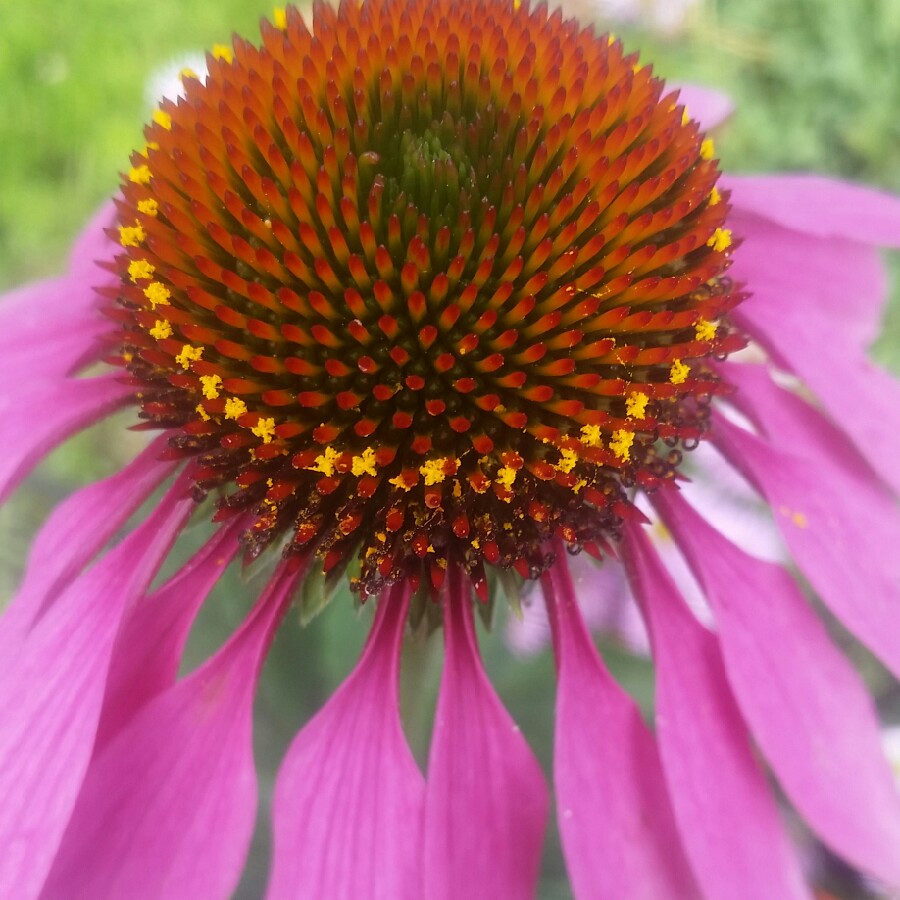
<point x="679" y="372"/>
<point x="148" y="207"/>
<point x="475" y="543"/>
<point x="576" y="488"/>
<point x="139" y="269"/>
<point x="222" y="51"/>
<point x="720" y="240"/>
<point x="139" y="175"/>
<point x="265" y="429"/>
<point x="400" y="482"/>
<point x="210" y="385"/>
<point x="707" y="149"/>
<point x="591" y="436"/>
<point x="715" y="197"/>
<point x="705" y="330"/>
<point x="433" y="471"/>
<point x="325" y="462"/>
<point x="188" y="355"/>
<point x="636" y="405"/>
<point x="161" y="330"/>
<point x="187" y="72"/>
<point x="158" y="294"/>
<point x="685" y="118"/>
<point x="621" y="444"/>
<point x="150" y="145"/>
<point x="161" y="117"/>
<point x="235" y="408"/>
<point x="365" y="464"/>
<point x="132" y="235"/>
<point x="506" y="476"/>
<point x="797" y="518"/>
<point x="201" y="412"/>
<point x="279" y="18"/>
<point x="567" y="461"/>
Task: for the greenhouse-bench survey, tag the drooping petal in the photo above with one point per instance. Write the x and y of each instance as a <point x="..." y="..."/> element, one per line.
<point x="43" y="334"/>
<point x="615" y="817"/>
<point x="604" y="600"/>
<point x="707" y="757"/>
<point x="52" y="324"/>
<point x="708" y="106"/>
<point x="835" y="288"/>
<point x="94" y="246"/>
<point x="154" y="632"/>
<point x="349" y="796"/>
<point x="35" y="418"/>
<point x="486" y="799"/>
<point x="75" y="532"/>
<point x="50" y="699"/>
<point x="822" y="207"/>
<point x="168" y="808"/>
<point x="844" y="539"/>
<point x="804" y="704"/>
<point x="838" y="283"/>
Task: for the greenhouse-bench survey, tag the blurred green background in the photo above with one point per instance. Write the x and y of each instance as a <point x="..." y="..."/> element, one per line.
<point x="817" y="84"/>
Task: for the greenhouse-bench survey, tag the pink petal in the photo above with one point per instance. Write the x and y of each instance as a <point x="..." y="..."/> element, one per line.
<point x="75" y="532"/>
<point x="616" y="822"/>
<point x="838" y="284"/>
<point x="349" y="796"/>
<point x="804" y="703"/>
<point x="35" y="418"/>
<point x="841" y="526"/>
<point x="819" y="206"/>
<point x="60" y="314"/>
<point x="50" y="699"/>
<point x="53" y="318"/>
<point x="93" y="245"/>
<point x="153" y="634"/>
<point x="707" y="757"/>
<point x="168" y="809"/>
<point x="815" y="305"/>
<point x="708" y="106"/>
<point x="486" y="799"/>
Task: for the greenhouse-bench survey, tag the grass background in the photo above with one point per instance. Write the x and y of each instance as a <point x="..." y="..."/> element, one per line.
<point x="817" y="83"/>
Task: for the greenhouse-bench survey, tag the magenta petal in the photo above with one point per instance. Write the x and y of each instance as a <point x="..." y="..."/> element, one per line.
<point x="38" y="417"/>
<point x="93" y="245"/>
<point x="486" y="799"/>
<point x="618" y="831"/>
<point x="796" y="279"/>
<point x="75" y="532"/>
<point x="844" y="539"/>
<point x="820" y="206"/>
<point x="53" y="321"/>
<point x="154" y="632"/>
<point x="168" y="808"/>
<point x="50" y="699"/>
<point x="836" y="289"/>
<point x="700" y="731"/>
<point x="349" y="796"/>
<point x="804" y="703"/>
<point x="707" y="105"/>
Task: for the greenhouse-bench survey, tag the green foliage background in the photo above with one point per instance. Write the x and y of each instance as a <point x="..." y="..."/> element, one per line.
<point x="817" y="83"/>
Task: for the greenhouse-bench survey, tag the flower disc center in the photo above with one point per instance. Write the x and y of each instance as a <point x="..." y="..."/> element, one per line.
<point x="418" y="284"/>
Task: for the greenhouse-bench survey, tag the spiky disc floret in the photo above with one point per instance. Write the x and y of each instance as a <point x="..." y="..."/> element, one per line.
<point x="430" y="281"/>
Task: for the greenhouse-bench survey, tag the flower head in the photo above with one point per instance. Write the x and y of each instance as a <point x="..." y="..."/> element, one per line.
<point x="468" y="275"/>
<point x="429" y="292"/>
